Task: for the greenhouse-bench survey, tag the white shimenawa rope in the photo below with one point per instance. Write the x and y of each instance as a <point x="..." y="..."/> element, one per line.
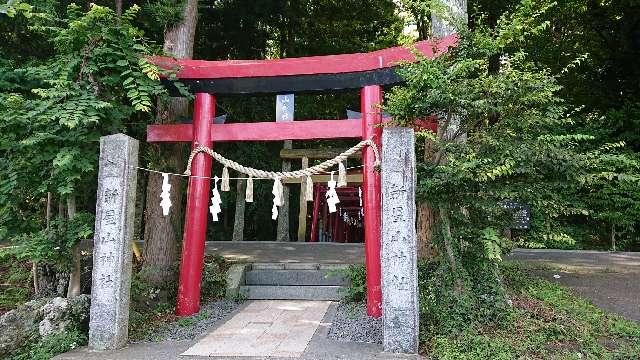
<point x="257" y="173"/>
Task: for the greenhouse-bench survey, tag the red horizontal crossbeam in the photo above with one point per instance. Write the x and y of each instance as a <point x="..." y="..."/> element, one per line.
<point x="261" y="131"/>
<point x="329" y="64"/>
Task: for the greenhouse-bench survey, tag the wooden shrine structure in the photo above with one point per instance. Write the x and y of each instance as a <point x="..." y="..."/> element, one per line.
<point x="368" y="72"/>
<point x="304" y="155"/>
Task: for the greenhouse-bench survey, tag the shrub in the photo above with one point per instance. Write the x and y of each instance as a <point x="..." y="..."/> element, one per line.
<point x="52" y="345"/>
<point x="214" y="277"/>
<point x="357" y="276"/>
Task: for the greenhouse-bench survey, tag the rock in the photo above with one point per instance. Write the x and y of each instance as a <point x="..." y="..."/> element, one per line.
<point x="19" y="326"/>
<point x="39" y="318"/>
<point x="62" y="314"/>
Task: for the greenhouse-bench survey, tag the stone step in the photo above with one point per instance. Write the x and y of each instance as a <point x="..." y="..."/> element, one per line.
<point x="297" y="266"/>
<point x="267" y="292"/>
<point x="295" y="277"/>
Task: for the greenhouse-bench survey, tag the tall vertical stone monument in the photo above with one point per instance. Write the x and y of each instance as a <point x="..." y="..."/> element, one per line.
<point x="115" y="207"/>
<point x="399" y="245"/>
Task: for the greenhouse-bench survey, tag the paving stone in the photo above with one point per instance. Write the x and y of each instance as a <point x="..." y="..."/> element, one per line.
<point x="235" y="279"/>
<point x="287" y="335"/>
<point x="301" y="266"/>
<point x="332" y="266"/>
<point x="267" y="266"/>
<point x="287" y="252"/>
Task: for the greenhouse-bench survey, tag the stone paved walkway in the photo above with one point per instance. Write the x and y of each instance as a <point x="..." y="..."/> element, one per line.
<point x="319" y="347"/>
<point x="265" y="328"/>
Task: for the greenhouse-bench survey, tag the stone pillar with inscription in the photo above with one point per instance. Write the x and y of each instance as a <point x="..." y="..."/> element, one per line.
<point x="399" y="245"/>
<point x="115" y="209"/>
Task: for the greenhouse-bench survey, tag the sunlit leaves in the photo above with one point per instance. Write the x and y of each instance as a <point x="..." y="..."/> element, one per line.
<point x="12" y="8"/>
<point x="53" y="245"/>
<point x="55" y="110"/>
<point x="522" y="142"/>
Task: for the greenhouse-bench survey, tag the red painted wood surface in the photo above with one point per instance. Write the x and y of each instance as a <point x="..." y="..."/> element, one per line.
<point x="261" y="131"/>
<point x="329" y="64"/>
<point x="370" y="98"/>
<point x="195" y="226"/>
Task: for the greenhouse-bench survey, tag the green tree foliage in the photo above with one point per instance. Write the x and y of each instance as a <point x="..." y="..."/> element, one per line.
<point x="285" y="28"/>
<point x="592" y="47"/>
<point x="13" y="7"/>
<point x="505" y="134"/>
<point x="95" y="81"/>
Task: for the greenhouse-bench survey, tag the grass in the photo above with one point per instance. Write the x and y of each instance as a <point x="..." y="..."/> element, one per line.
<point x="52" y="345"/>
<point x="546" y="321"/>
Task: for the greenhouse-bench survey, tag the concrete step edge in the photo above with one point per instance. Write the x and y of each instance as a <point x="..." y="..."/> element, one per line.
<point x="295" y="277"/>
<point x="297" y="266"/>
<point x="267" y="292"/>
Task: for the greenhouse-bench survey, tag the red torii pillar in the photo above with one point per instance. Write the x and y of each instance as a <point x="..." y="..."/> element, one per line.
<point x="195" y="226"/>
<point x="370" y="100"/>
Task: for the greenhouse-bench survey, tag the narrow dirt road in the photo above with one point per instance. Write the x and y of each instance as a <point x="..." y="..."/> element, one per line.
<point x="610" y="280"/>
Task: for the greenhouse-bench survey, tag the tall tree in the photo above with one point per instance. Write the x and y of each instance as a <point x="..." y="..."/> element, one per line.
<point x="118" y="8"/>
<point x="162" y="233"/>
<point x="446" y="16"/>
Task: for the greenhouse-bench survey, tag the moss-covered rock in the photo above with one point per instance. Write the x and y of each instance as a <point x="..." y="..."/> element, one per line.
<point x="63" y="314"/>
<point x="20" y="326"/>
<point x="41" y="318"/>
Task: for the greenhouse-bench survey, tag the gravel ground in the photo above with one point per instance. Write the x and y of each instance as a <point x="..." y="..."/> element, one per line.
<point x="191" y="327"/>
<point x="351" y="323"/>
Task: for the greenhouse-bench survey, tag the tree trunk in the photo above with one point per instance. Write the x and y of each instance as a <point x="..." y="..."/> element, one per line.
<point x="426" y="219"/>
<point x="35" y="271"/>
<point x="445" y="223"/>
<point x="178" y="40"/>
<point x="444" y="24"/>
<point x="238" y="222"/>
<point x="119" y="8"/>
<point x="49" y="281"/>
<point x="162" y="233"/>
<point x="613" y="237"/>
<point x="74" y="287"/>
<point x="282" y="233"/>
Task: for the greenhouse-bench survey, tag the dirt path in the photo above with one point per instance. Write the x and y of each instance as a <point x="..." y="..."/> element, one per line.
<point x="610" y="280"/>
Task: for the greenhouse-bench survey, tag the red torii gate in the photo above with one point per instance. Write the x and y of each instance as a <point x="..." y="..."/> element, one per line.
<point x="367" y="71"/>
